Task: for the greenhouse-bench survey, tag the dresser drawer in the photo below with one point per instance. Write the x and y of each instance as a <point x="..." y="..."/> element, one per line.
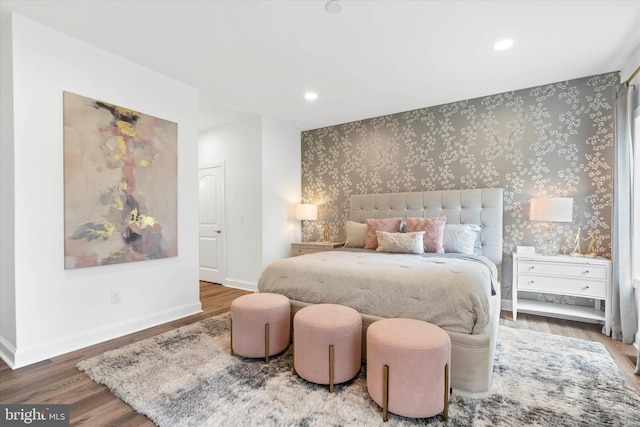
<point x="303" y="248"/>
<point x="304" y="251"/>
<point x="582" y="277"/>
<point x="583" y="271"/>
<point x="564" y="286"/>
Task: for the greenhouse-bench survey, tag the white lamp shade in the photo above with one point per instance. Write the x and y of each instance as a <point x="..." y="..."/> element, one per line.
<point x="552" y="209"/>
<point x="306" y="212"/>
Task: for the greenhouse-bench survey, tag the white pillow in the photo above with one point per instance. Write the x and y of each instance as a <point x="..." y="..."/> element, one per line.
<point x="461" y="238"/>
<point x="356" y="234"/>
<point x="410" y="243"/>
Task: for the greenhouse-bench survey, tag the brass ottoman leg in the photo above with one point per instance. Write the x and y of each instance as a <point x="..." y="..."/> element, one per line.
<point x="385" y="393"/>
<point x="445" y="411"/>
<point x="293" y="354"/>
<point x="266" y="343"/>
<point x="231" y="333"/>
<point x="331" y="369"/>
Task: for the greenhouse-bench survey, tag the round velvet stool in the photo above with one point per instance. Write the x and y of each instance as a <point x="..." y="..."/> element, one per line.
<point x="408" y="367"/>
<point x="327" y="340"/>
<point x="260" y="325"/>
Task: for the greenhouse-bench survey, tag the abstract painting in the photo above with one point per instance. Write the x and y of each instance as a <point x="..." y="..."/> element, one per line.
<point x="120" y="184"/>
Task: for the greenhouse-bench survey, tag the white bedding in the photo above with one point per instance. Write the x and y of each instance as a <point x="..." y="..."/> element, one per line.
<point x="450" y="291"/>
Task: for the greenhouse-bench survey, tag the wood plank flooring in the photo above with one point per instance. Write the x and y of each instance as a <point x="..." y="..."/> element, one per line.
<point x="56" y="380"/>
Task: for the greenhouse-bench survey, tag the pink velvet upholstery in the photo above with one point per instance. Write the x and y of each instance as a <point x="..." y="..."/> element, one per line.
<point x="391" y="225"/>
<point x="250" y="313"/>
<point x="433" y="232"/>
<point x="416" y="353"/>
<point x="315" y="328"/>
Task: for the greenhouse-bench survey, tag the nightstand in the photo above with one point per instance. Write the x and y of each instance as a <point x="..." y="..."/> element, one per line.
<point x="562" y="275"/>
<point x="303" y="248"/>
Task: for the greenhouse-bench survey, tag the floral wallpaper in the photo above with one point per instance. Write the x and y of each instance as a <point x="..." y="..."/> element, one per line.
<point x="554" y="140"/>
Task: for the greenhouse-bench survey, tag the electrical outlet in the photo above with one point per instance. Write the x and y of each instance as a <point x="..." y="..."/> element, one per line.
<point x="115" y="297"/>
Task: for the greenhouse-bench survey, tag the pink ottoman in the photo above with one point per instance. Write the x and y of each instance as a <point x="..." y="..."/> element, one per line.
<point x="260" y="325"/>
<point x="408" y="367"/>
<point x="327" y="341"/>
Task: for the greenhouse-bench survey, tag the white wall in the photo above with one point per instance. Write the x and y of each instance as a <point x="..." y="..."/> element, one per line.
<point x="238" y="145"/>
<point x="7" y="242"/>
<point x="56" y="310"/>
<point x="281" y="187"/>
<point x="262" y="181"/>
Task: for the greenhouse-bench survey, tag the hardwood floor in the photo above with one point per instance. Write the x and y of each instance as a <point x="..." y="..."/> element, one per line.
<point x="56" y="380"/>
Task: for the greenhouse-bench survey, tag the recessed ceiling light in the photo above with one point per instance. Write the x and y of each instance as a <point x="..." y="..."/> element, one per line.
<point x="333" y="6"/>
<point x="310" y="96"/>
<point x="503" y="44"/>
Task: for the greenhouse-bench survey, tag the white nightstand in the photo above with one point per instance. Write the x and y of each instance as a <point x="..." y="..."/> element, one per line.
<point x="303" y="248"/>
<point x="562" y="275"/>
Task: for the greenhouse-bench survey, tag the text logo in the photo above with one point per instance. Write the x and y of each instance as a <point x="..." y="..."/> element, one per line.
<point x="34" y="415"/>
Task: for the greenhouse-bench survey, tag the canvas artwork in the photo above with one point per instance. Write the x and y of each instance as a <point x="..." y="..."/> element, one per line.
<point x="120" y="184"/>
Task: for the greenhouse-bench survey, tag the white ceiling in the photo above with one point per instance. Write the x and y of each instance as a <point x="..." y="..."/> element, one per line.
<point x="374" y="58"/>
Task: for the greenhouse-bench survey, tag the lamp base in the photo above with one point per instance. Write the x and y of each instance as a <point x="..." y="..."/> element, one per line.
<point x="550" y="248"/>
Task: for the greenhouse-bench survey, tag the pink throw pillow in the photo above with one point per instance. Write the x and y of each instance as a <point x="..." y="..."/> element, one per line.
<point x="433" y="232"/>
<point x="391" y="225"/>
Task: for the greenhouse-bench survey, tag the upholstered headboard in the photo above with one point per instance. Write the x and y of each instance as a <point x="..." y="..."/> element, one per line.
<point x="482" y="206"/>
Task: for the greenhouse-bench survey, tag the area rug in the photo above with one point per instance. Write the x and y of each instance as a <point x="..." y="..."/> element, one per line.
<point x="187" y="377"/>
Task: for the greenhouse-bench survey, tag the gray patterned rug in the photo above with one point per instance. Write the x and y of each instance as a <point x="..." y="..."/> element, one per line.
<point x="187" y="377"/>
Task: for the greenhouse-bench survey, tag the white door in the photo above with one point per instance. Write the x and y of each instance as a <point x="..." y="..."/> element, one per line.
<point x="211" y="240"/>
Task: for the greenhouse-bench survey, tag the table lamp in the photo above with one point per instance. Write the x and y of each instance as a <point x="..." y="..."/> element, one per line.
<point x="551" y="209"/>
<point x="305" y="212"/>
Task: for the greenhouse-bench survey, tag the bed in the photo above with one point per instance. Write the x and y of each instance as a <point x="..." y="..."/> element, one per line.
<point x="460" y="292"/>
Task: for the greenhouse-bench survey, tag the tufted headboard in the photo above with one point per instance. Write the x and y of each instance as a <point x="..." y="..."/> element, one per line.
<point x="482" y="206"/>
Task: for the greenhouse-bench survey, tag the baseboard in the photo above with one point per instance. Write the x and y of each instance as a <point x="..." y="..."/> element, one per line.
<point x="7" y="352"/>
<point x="241" y="284"/>
<point x="17" y="358"/>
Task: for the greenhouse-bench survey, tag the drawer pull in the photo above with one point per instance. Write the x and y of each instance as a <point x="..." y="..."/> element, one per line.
<point x="586" y="272"/>
<point x="586" y="287"/>
<point x="531" y="268"/>
<point x="531" y="282"/>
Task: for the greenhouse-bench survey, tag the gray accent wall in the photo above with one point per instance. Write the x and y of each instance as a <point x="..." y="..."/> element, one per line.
<point x="554" y="140"/>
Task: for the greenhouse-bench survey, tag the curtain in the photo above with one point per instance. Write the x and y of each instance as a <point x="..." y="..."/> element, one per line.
<point x="635" y="249"/>
<point x="623" y="320"/>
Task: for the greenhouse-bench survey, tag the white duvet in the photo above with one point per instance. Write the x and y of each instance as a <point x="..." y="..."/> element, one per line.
<point x="450" y="291"/>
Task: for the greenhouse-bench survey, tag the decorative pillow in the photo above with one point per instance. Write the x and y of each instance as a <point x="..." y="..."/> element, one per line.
<point x="408" y="243"/>
<point x="356" y="234"/>
<point x="387" y="224"/>
<point x="433" y="232"/>
<point x="461" y="238"/>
